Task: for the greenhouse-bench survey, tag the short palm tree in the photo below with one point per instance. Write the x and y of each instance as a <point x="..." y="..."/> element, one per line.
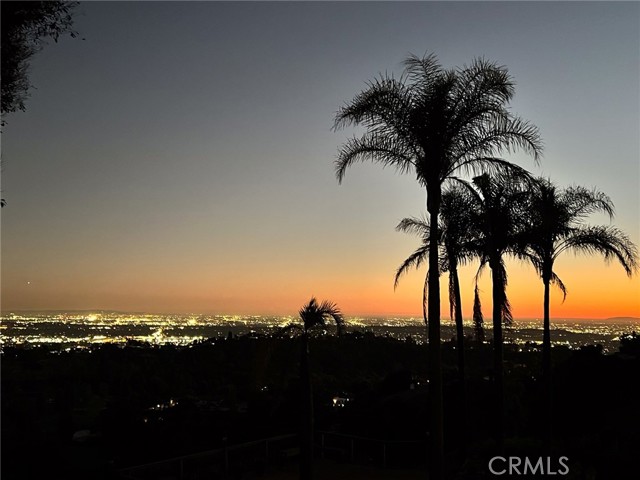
<point x="435" y="123"/>
<point x="313" y="315"/>
<point x="557" y="225"/>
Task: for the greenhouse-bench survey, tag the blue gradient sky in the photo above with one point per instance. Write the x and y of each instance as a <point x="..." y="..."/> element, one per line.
<point x="181" y="157"/>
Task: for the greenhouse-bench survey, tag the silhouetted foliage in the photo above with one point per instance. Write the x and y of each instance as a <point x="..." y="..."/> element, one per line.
<point x="630" y="344"/>
<point x="436" y="123"/>
<point x="313" y="315"/>
<point x="456" y="248"/>
<point x="25" y="28"/>
<point x="497" y="224"/>
<point x="556" y="224"/>
<point x="478" y="319"/>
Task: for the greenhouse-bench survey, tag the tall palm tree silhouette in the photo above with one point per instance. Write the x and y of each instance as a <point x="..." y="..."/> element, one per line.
<point x="436" y="122"/>
<point x="313" y="315"/>
<point x="498" y="221"/>
<point x="557" y="225"/>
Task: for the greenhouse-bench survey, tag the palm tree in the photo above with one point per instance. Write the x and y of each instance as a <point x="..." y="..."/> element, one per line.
<point x="556" y="225"/>
<point x="498" y="220"/>
<point x="436" y="122"/>
<point x="455" y="250"/>
<point x="313" y="315"/>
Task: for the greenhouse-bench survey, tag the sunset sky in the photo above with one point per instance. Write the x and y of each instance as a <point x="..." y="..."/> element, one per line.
<point x="180" y="157"/>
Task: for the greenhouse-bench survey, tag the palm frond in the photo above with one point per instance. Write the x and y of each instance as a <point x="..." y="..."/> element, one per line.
<point x="415" y="260"/>
<point x="581" y="202"/>
<point x="498" y="134"/>
<point x="481" y="268"/>
<point x="313" y="314"/>
<point x="383" y="102"/>
<point x="486" y="82"/>
<point x="452" y="294"/>
<point x="330" y="309"/>
<point x="453" y="233"/>
<point x="537" y="261"/>
<point x="478" y="320"/>
<point x="421" y="69"/>
<point x="493" y="166"/>
<point x="378" y="149"/>
<point x="610" y="242"/>
<point x="507" y="315"/>
<point x="555" y="279"/>
<point x="505" y="307"/>
<point x="414" y="225"/>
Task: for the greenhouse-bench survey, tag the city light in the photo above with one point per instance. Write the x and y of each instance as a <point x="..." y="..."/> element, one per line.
<point x="95" y="328"/>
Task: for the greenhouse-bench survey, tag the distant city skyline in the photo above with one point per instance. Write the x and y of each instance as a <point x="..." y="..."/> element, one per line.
<point x="180" y="158"/>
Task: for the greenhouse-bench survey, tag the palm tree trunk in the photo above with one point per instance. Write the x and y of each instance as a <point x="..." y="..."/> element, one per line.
<point x="462" y="416"/>
<point x="498" y="370"/>
<point x="425" y="293"/>
<point x="306" y="437"/>
<point x="546" y="365"/>
<point x="546" y="335"/>
<point x="436" y="431"/>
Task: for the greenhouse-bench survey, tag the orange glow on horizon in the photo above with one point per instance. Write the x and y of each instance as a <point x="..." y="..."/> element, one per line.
<point x="600" y="292"/>
<point x="280" y="286"/>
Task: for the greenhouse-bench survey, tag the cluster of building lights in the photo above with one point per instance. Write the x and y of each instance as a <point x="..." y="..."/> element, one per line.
<point x="81" y="329"/>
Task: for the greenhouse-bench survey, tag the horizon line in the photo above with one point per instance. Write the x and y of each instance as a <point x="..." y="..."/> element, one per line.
<point x="355" y="315"/>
